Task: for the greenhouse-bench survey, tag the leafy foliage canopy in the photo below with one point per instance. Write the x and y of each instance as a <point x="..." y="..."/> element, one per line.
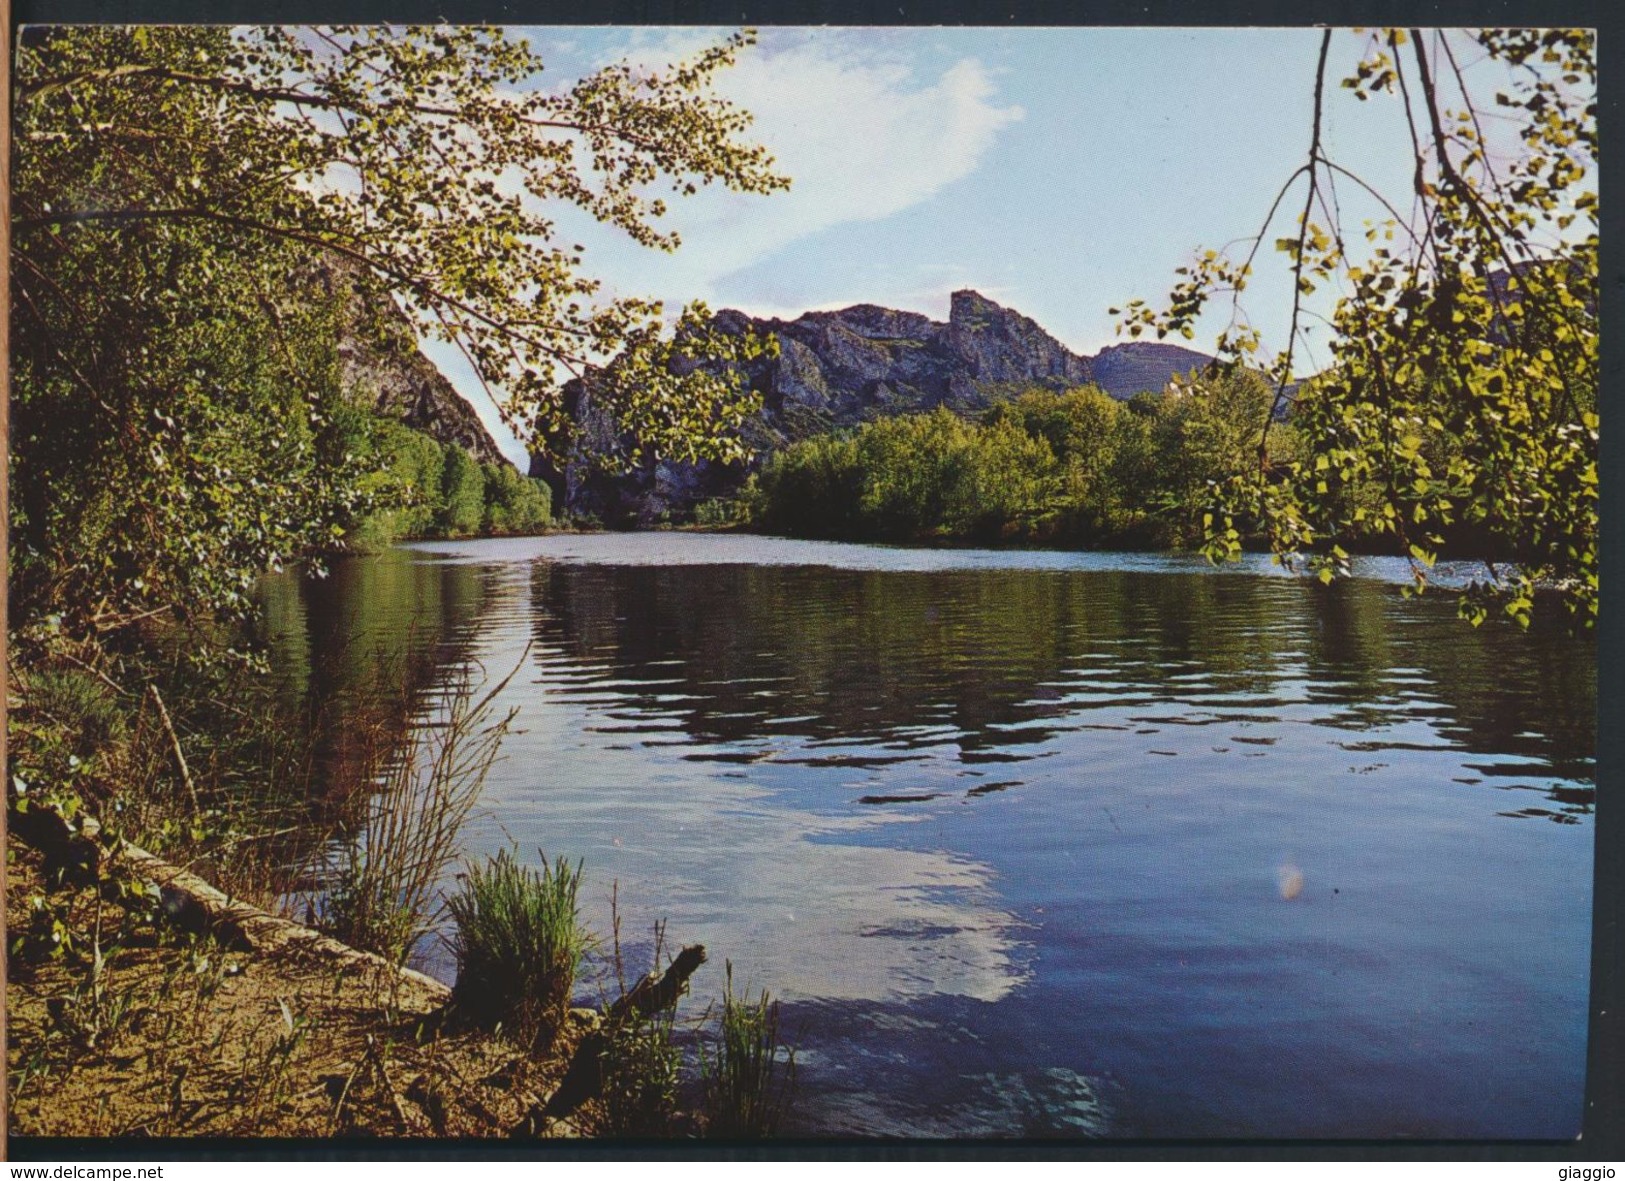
<point x="182" y="422"/>
<point x="1459" y="408"/>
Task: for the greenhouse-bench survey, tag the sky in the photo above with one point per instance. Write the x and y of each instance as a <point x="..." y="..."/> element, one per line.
<point x="1059" y="172"/>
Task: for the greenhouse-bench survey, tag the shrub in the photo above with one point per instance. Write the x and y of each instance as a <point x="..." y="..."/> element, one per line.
<point x="747" y="1083"/>
<point x="721" y="512"/>
<point x="519" y="942"/>
<point x="640" y="1070"/>
<point x="811" y="489"/>
<point x="85" y="707"/>
<point x="462" y="494"/>
<point x="406" y="492"/>
<point x="514" y="503"/>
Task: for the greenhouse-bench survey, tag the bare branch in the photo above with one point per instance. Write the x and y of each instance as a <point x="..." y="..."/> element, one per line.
<point x="1297" y="261"/>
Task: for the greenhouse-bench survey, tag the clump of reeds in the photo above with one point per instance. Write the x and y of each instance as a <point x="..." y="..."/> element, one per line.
<point x="749" y="1073"/>
<point x="519" y="942"/>
<point x="85" y="707"/>
<point x="640" y="1067"/>
<point x="384" y="897"/>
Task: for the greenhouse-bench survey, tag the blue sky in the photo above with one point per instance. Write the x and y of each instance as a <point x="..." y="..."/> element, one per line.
<point x="1058" y="171"/>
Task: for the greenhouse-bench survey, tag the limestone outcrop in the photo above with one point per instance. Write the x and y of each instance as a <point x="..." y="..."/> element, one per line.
<point x="841" y="368"/>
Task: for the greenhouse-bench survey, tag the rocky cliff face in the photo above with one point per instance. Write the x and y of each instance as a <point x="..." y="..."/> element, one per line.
<point x="379" y="355"/>
<point x="863" y="362"/>
<point x="1123" y="370"/>
<point x="837" y="369"/>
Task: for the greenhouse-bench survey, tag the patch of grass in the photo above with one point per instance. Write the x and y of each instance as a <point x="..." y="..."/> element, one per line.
<point x="749" y="1074"/>
<point x="519" y="942"/>
<point x="86" y="707"/>
<point x="720" y="512"/>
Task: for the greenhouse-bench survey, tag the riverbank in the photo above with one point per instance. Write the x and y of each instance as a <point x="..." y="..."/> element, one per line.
<point x="122" y="1022"/>
<point x="145" y="1001"/>
<point x="142" y="1000"/>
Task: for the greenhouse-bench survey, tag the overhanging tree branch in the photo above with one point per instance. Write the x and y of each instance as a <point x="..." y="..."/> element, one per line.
<point x="1285" y="377"/>
<point x="422" y="286"/>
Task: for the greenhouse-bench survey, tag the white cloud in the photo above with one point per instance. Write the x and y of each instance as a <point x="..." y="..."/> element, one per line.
<point x="862" y="134"/>
<point x="858" y="120"/>
<point x="861" y="140"/>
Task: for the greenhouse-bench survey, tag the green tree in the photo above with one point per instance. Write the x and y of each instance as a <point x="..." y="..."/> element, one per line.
<point x="176" y="388"/>
<point x="514" y="503"/>
<point x="910" y="478"/>
<point x="1011" y="484"/>
<point x="166" y="449"/>
<point x="1095" y="440"/>
<point x="809" y="489"/>
<point x="1460" y="401"/>
<point x="1204" y="434"/>
<point x="462" y="495"/>
<point x="1076" y="468"/>
<point x="915" y="472"/>
<point x="416" y="473"/>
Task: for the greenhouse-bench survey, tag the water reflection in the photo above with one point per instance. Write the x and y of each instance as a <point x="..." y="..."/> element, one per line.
<point x="802" y="899"/>
<point x="360" y="656"/>
<point x="1044" y="844"/>
<point x="997" y="662"/>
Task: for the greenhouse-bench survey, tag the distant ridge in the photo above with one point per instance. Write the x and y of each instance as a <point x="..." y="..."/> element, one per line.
<point x="838" y="369"/>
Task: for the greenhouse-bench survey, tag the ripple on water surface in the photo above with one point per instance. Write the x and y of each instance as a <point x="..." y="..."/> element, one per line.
<point x="1058" y="844"/>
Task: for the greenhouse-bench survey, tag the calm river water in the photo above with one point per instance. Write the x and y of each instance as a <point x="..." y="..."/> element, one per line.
<point x="1040" y="844"/>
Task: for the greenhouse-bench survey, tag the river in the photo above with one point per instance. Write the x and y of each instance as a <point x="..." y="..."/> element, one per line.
<point x="1036" y="843"/>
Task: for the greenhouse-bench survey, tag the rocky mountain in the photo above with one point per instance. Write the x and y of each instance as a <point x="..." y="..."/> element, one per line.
<point x="1123" y="370"/>
<point x="837" y="369"/>
<point x="379" y="354"/>
<point x="865" y="362"/>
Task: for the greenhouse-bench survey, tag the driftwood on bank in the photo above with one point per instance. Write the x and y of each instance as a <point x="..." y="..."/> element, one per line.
<point x="262" y="932"/>
<point x="194" y="904"/>
<point x="584" y="1078"/>
<point x="656" y="993"/>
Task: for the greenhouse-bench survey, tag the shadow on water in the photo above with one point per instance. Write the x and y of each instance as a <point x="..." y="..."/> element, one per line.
<point x="1002" y="660"/>
<point x="362" y="653"/>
